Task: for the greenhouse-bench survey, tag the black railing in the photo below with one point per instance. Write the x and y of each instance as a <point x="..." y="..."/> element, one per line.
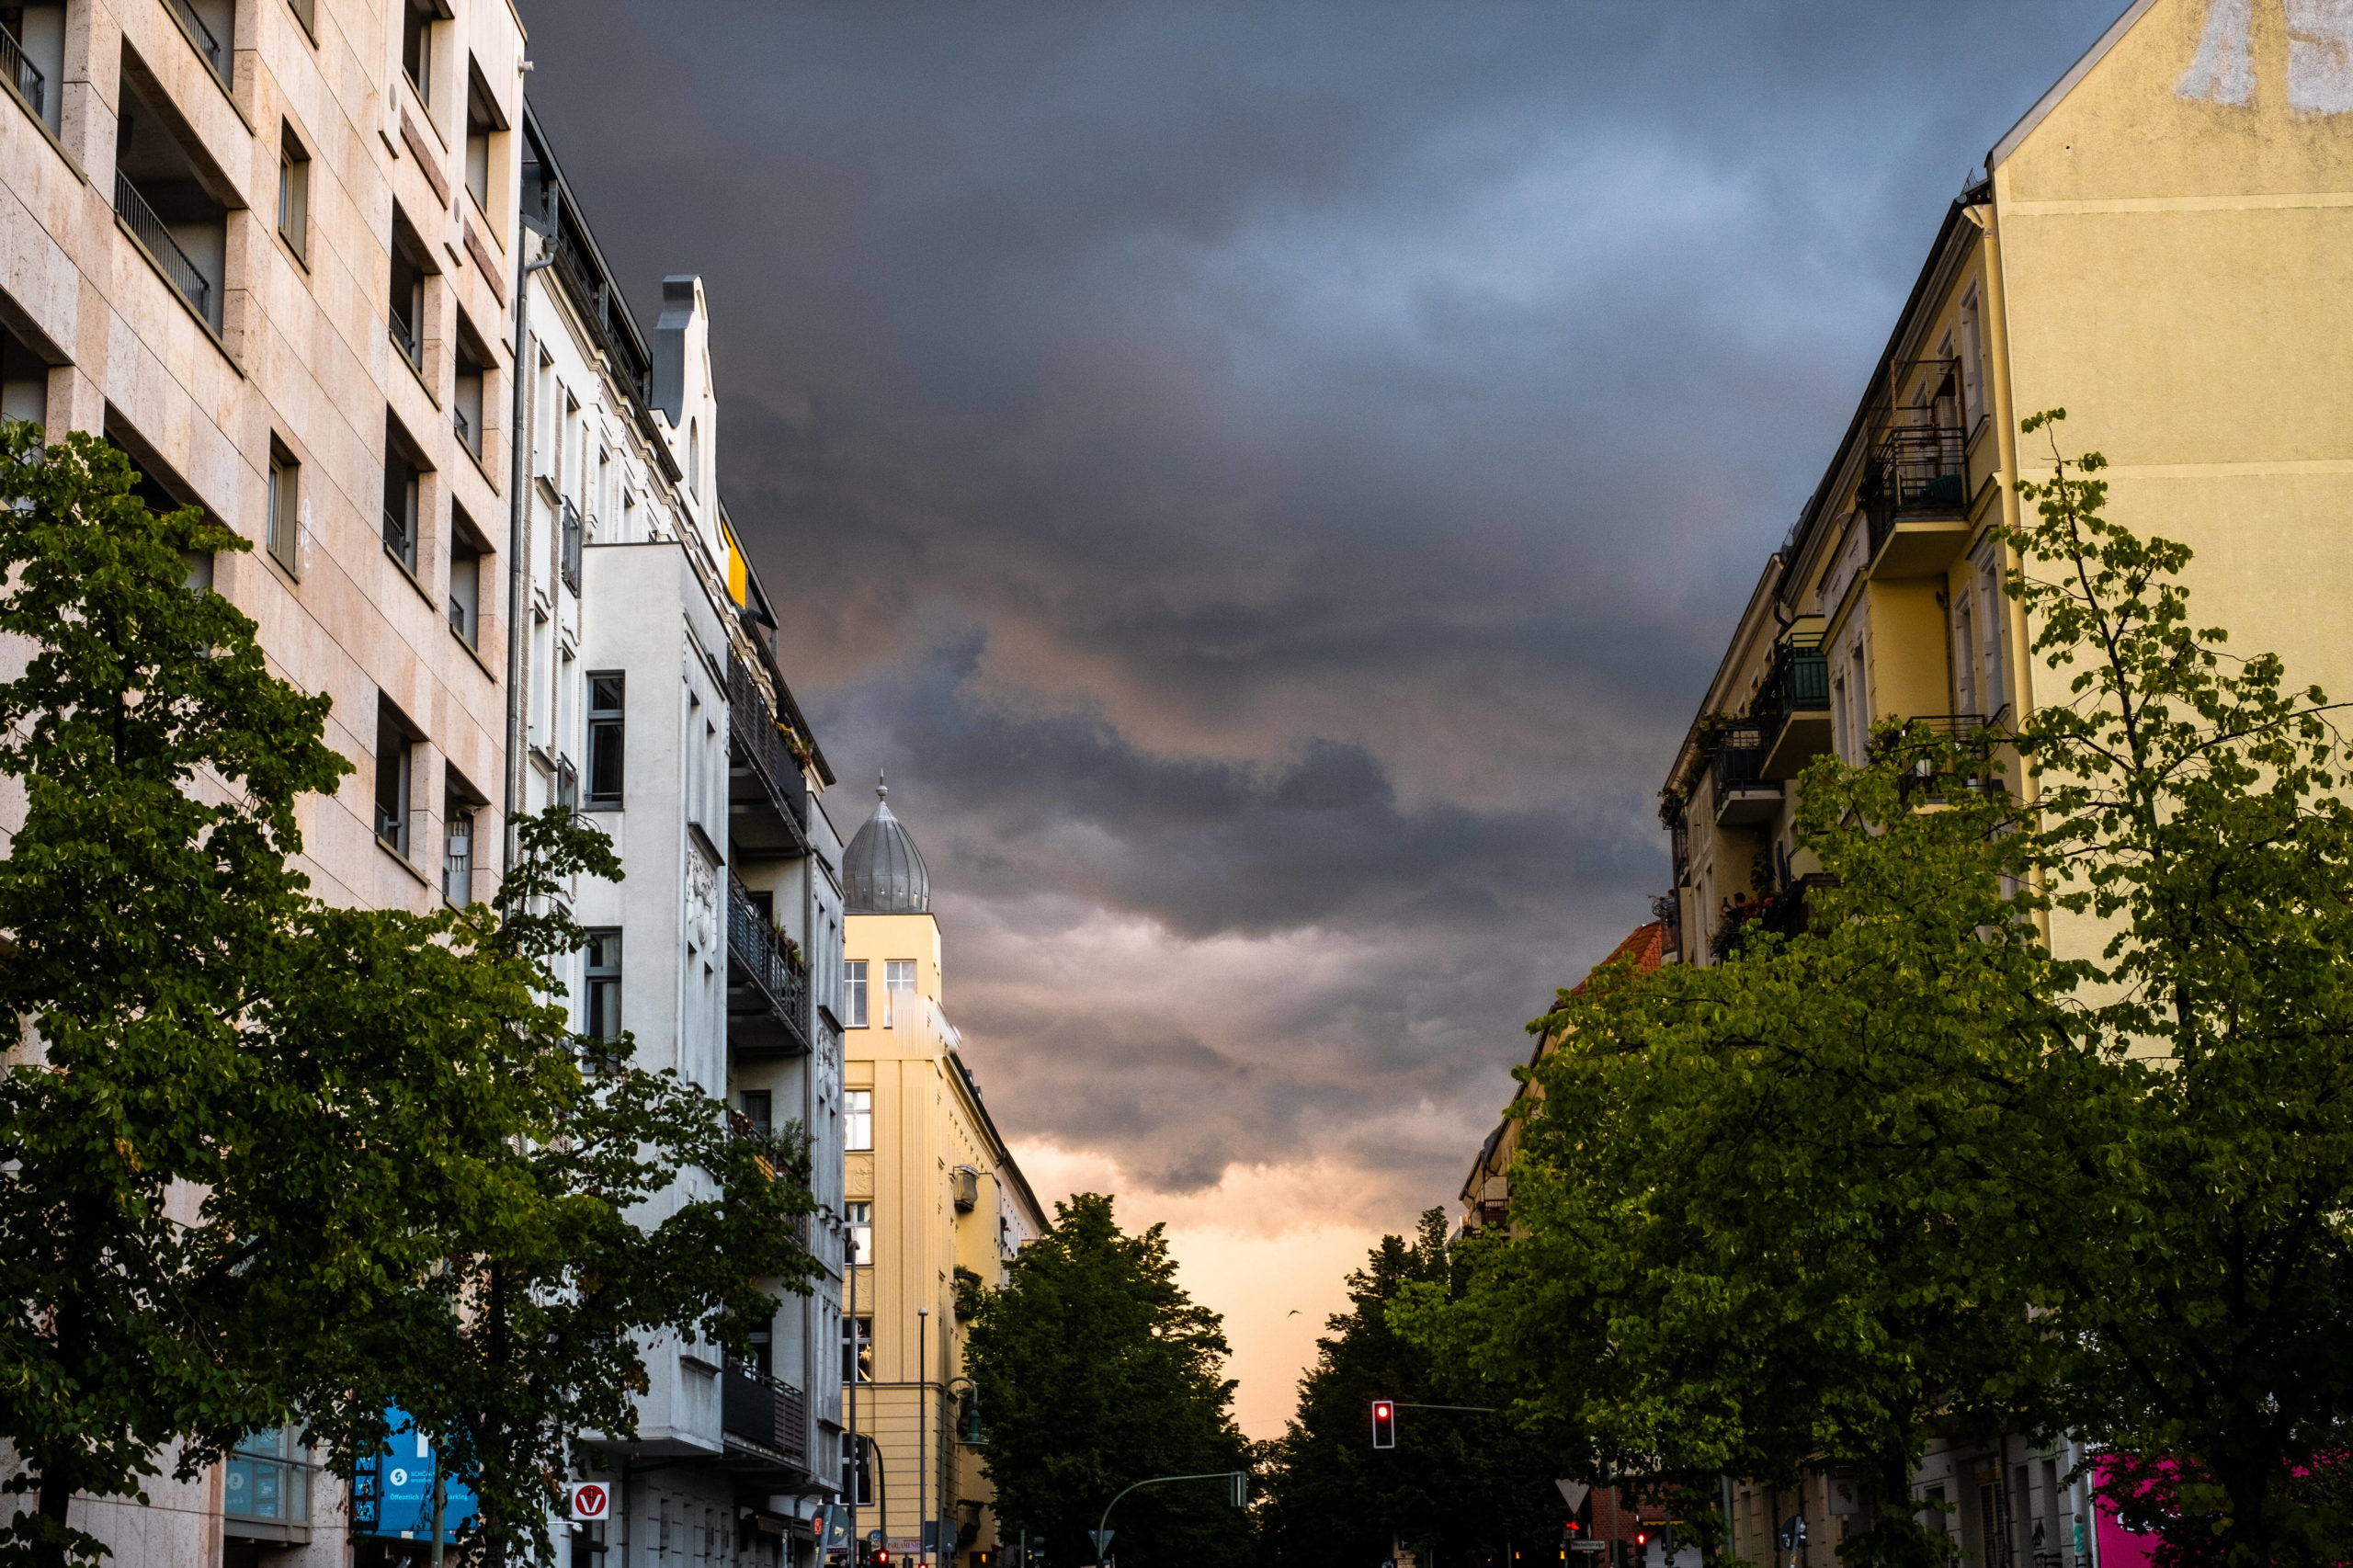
<point x="764" y="1410"/>
<point x="597" y="299"/>
<point x="1916" y="469"/>
<point x="400" y="538"/>
<point x="1927" y="735"/>
<point x="464" y="428"/>
<point x="776" y="985"/>
<point x="141" y="219"/>
<point x="571" y="547"/>
<point x="759" y="746"/>
<point x="1737" y="761"/>
<point x="1797" y="682"/>
<point x="1784" y="914"/>
<point x="201" y="35"/>
<point x="774" y="1164"/>
<point x="409" y="339"/>
<point x="23" y="75"/>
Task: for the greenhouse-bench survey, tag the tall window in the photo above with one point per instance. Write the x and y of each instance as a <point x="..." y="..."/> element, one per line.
<point x="1992" y="615"/>
<point x="403" y="496"/>
<point x="858" y="1476"/>
<point x="465" y="590"/>
<point x="267" y="1479"/>
<point x="395" y="750"/>
<point x="858" y="1350"/>
<point x="293" y="194"/>
<point x="285" y="493"/>
<point x="457" y="851"/>
<point x="1972" y="362"/>
<point x="405" y="298"/>
<point x="602" y="985"/>
<point x="481" y="121"/>
<point x="854" y="993"/>
<point x="417" y="17"/>
<point x="759" y="1109"/>
<point x="899" y="999"/>
<point x="857" y="1119"/>
<point x="605" y="694"/>
<point x="861" y="1233"/>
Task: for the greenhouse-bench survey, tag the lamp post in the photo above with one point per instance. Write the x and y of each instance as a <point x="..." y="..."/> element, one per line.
<point x="923" y="1418"/>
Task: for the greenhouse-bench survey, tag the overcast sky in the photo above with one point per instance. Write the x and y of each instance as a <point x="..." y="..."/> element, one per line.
<point x="1270" y="483"/>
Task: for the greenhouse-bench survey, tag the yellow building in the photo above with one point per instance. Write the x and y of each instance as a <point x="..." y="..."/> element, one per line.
<point x="2163" y="247"/>
<point x="936" y="1208"/>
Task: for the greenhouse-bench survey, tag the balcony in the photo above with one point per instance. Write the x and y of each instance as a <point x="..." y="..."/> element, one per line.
<point x="23" y="75"/>
<point x="774" y="1165"/>
<point x="1924" y="737"/>
<point x="768" y="989"/>
<point x="151" y="231"/>
<point x="768" y="795"/>
<point x="202" y="38"/>
<point x="1915" y="498"/>
<point x="1792" y="710"/>
<point x="1744" y="796"/>
<point x="764" y="1417"/>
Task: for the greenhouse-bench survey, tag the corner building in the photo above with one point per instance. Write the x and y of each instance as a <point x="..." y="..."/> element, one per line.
<point x="938" y="1209"/>
<point x="266" y="247"/>
<point x="2163" y="247"/>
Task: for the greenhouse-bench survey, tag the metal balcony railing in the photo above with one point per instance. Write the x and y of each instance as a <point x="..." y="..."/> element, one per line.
<point x="771" y="775"/>
<point x="1797" y="682"/>
<point x="769" y="989"/>
<point x="408" y="339"/>
<point x="23" y="75"/>
<point x="570" y="546"/>
<point x="400" y="538"/>
<point x="1915" y="471"/>
<point x="201" y="35"/>
<point x="142" y="221"/>
<point x="763" y="1411"/>
<point x="464" y="428"/>
<point x="1737" y="760"/>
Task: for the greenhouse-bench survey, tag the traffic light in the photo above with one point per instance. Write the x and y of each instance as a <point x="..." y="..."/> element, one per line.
<point x="1384" y="1424"/>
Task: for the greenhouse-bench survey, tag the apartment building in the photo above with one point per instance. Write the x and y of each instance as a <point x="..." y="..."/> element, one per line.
<point x="650" y="700"/>
<point x="2163" y="247"/>
<point x="937" y="1210"/>
<point x="266" y="247"/>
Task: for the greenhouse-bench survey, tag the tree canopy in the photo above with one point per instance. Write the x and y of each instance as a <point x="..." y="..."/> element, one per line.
<point x="1909" y="1174"/>
<point x="1470" y="1482"/>
<point x="1094" y="1371"/>
<point x="267" y="1161"/>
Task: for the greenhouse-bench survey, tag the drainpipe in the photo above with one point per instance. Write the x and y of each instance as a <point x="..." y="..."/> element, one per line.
<point x="519" y="542"/>
<point x="809" y="1344"/>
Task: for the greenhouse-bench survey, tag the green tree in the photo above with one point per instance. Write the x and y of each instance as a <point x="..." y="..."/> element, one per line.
<point x="1094" y="1370"/>
<point x="1471" y="1484"/>
<point x="262" y="1160"/>
<point x="1906" y="1174"/>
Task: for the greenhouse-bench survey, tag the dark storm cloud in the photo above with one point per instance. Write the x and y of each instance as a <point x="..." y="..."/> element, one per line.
<point x="1272" y="479"/>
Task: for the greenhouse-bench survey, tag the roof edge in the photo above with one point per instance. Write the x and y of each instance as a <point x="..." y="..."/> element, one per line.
<point x="2066" y="83"/>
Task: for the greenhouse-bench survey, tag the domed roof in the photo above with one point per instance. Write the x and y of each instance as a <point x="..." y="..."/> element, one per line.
<point x="882" y="871"/>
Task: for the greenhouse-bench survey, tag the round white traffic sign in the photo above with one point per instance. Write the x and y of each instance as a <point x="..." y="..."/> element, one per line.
<point x="591" y="1503"/>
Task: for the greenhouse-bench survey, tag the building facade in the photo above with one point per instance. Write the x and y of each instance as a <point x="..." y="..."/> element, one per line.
<point x="937" y="1210"/>
<point x="652" y="702"/>
<point x="266" y="247"/>
<point x="312" y="266"/>
<point x="2163" y="246"/>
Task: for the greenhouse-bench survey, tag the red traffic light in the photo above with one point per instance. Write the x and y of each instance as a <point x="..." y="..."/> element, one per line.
<point x="1384" y="1424"/>
<point x="1642" y="1538"/>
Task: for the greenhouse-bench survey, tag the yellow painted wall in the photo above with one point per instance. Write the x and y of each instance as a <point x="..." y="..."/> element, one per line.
<point x="925" y="1124"/>
<point x="2178" y="275"/>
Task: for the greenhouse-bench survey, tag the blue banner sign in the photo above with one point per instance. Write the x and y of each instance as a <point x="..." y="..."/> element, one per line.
<point x="391" y="1494"/>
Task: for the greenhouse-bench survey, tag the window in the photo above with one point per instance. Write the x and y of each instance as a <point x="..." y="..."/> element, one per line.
<point x="458" y="850"/>
<point x="403" y="496"/>
<point x="758" y="1108"/>
<point x="24" y="381"/>
<point x="307" y="13"/>
<point x="466" y="393"/>
<point x="601" y="990"/>
<point x="404" y="316"/>
<point x="857" y="1477"/>
<point x="284" y="536"/>
<point x="898" y="994"/>
<point x="481" y="123"/>
<point x="1964" y="656"/>
<point x="857" y="1119"/>
<point x="569" y="563"/>
<point x="293" y="194"/>
<point x="417" y="17"/>
<point x="266" y="1478"/>
<point x="861" y="1233"/>
<point x="395" y="750"/>
<point x="168" y="194"/>
<point x="465" y="589"/>
<point x="1992" y="605"/>
<point x="37" y="32"/>
<point x="854" y="993"/>
<point x="1972" y="363"/>
<point x="858" y="1350"/>
<point x="605" y="733"/>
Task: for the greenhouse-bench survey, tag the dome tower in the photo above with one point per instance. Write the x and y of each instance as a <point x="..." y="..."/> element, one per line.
<point x="882" y="871"/>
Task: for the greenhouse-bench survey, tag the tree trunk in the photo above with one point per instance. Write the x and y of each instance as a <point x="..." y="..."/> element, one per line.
<point x="56" y="1497"/>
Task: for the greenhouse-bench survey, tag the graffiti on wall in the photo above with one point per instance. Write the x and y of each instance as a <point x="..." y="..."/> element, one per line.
<point x="2320" y="55"/>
